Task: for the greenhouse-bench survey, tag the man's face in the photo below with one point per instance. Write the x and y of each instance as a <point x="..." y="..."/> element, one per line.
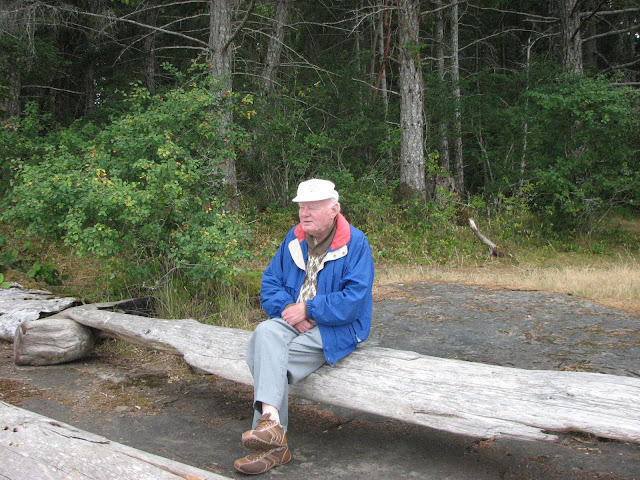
<point x="316" y="218"/>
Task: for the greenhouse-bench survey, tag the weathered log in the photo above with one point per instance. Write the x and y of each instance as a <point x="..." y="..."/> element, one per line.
<point x="18" y="305"/>
<point x="33" y="446"/>
<point x="479" y="400"/>
<point x="51" y="341"/>
<point x="493" y="248"/>
<point x="56" y="339"/>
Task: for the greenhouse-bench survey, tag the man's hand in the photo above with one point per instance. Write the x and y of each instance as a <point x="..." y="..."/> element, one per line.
<point x="303" y="326"/>
<point x="296" y="316"/>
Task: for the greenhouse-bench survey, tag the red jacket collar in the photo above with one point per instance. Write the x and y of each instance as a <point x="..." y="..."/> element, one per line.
<point x="341" y="238"/>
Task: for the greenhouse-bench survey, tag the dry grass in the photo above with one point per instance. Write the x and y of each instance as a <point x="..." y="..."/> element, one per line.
<point x="612" y="282"/>
<point x="605" y="279"/>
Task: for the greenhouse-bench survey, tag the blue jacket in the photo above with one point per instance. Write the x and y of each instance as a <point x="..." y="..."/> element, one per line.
<point x="343" y="302"/>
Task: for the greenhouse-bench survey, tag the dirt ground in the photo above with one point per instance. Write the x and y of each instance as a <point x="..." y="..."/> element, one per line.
<point x="156" y="403"/>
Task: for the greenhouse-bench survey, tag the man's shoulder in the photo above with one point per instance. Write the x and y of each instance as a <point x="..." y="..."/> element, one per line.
<point x="357" y="234"/>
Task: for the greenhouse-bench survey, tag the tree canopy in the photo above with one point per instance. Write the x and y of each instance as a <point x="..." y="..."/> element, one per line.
<point x="149" y="123"/>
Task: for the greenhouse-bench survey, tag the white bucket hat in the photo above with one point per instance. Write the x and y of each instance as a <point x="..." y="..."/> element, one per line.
<point x="316" y="189"/>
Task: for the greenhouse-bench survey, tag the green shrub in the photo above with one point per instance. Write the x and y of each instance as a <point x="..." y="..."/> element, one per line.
<point x="145" y="186"/>
<point x="584" y="144"/>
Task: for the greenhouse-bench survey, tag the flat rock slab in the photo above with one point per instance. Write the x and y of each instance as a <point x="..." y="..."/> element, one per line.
<point x="522" y="329"/>
<point x="19" y="305"/>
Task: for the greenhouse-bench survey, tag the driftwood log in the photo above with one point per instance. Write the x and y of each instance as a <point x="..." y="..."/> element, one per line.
<point x="51" y="341"/>
<point x="479" y="400"/>
<point x="57" y="339"/>
<point x="493" y="248"/>
<point x="34" y="447"/>
<point x="19" y="305"/>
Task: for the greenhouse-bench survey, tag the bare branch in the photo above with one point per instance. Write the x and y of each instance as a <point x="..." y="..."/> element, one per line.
<point x="373" y="87"/>
<point x="602" y="13"/>
<point x="529" y="16"/>
<point x="632" y="29"/>
<point x="241" y="26"/>
<point x="139" y="24"/>
<point x="587" y="18"/>
<point x="49" y="87"/>
<point x="493" y="248"/>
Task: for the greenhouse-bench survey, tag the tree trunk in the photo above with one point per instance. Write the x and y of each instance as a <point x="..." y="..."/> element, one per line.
<point x="455" y="78"/>
<point x="629" y="45"/>
<point x="10" y="103"/>
<point x="276" y="41"/>
<point x="12" y="59"/>
<point x="571" y="38"/>
<point x="525" y="121"/>
<point x="149" y="48"/>
<point x="19" y="305"/>
<point x="383" y="37"/>
<point x="221" y="63"/>
<point x="444" y="180"/>
<point x="412" y="166"/>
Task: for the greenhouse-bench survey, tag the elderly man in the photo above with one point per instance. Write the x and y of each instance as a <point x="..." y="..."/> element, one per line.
<point x="317" y="293"/>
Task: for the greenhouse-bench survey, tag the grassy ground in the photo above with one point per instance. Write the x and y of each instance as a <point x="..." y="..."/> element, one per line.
<point x="609" y="276"/>
<point x="612" y="281"/>
<point x="603" y="268"/>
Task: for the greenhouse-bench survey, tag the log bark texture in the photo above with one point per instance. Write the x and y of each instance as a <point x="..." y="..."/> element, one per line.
<point x="18" y="305"/>
<point x="34" y="447"/>
<point x="479" y="400"/>
<point x="51" y="341"/>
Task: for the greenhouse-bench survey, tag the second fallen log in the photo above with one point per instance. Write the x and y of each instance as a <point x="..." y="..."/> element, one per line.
<point x="51" y="341"/>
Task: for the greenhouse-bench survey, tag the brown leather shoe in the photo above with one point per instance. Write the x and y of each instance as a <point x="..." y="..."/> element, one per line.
<point x="267" y="434"/>
<point x="261" y="461"/>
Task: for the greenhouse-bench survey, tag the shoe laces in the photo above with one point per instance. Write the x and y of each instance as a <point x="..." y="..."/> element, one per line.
<point x="266" y="420"/>
<point x="257" y="454"/>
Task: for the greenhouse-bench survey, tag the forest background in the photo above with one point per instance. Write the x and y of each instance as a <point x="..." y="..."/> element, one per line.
<point x="152" y="147"/>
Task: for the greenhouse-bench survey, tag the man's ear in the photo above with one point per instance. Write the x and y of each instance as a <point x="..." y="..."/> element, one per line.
<point x="335" y="209"/>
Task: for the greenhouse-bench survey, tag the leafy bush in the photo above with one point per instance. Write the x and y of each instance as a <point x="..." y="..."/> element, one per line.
<point x="584" y="144"/>
<point x="8" y="255"/>
<point x="21" y="140"/>
<point x="145" y="186"/>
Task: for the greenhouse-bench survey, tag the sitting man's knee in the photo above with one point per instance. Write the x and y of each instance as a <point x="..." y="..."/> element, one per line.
<point x="267" y="328"/>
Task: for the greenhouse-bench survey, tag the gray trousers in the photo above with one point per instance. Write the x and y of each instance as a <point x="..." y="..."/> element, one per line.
<point x="278" y="355"/>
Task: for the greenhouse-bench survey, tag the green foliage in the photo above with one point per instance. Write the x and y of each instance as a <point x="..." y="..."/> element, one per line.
<point x="145" y="186"/>
<point x="415" y="232"/>
<point x="20" y="259"/>
<point x="3" y="284"/>
<point x="8" y="255"/>
<point x="496" y="117"/>
<point x="46" y="273"/>
<point x="317" y="126"/>
<point x="584" y="145"/>
<point x="231" y="305"/>
<point x="21" y="140"/>
<point x="511" y="216"/>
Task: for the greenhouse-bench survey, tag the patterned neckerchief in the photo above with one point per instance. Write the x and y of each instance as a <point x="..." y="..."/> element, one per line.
<point x="317" y="251"/>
